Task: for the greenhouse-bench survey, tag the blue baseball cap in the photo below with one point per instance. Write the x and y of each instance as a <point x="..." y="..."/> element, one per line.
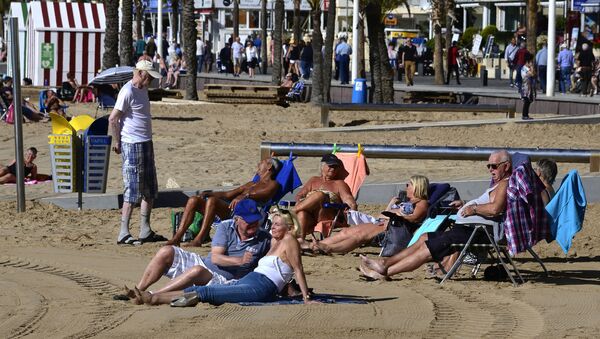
<point x="247" y="210"/>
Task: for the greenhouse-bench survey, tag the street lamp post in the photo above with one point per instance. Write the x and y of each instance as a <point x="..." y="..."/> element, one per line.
<point x="551" y="48"/>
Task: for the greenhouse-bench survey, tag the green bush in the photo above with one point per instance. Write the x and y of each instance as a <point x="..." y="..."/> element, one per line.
<point x="466" y="40"/>
<point x="489" y="30"/>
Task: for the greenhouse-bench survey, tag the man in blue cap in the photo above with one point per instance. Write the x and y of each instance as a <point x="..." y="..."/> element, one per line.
<point x="236" y="248"/>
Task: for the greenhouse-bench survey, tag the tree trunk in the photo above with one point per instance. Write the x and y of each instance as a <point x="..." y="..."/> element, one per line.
<point x="317" y="96"/>
<point x="126" y="32"/>
<point x="328" y="58"/>
<point x="189" y="38"/>
<point x="362" y="67"/>
<point x="175" y="16"/>
<point x="263" y="36"/>
<point x="381" y="72"/>
<point x="139" y="14"/>
<point x="532" y="7"/>
<point x="296" y="23"/>
<point x="449" y="15"/>
<point x="236" y="19"/>
<point x="111" y="37"/>
<point x="277" y="42"/>
<point x="438" y="56"/>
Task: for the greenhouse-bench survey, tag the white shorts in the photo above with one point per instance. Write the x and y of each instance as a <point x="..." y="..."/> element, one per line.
<point x="184" y="260"/>
<point x="357" y="218"/>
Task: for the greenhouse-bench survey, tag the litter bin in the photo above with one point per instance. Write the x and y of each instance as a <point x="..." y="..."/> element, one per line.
<point x="96" y="159"/>
<point x="63" y="152"/>
<point x="359" y="91"/>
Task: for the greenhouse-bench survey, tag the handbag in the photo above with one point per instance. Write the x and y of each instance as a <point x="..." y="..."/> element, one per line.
<point x="396" y="238"/>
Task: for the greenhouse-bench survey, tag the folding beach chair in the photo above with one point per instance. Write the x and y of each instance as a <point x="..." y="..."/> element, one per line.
<point x="106" y="99"/>
<point x="295" y="93"/>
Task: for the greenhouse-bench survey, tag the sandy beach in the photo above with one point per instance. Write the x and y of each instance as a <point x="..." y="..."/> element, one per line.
<point x="60" y="268"/>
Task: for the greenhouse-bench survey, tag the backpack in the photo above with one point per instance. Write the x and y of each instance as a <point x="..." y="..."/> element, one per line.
<point x="194" y="228"/>
<point x="10" y="115"/>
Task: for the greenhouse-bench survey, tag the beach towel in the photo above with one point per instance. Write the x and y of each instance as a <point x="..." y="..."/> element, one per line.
<point x="429" y="225"/>
<point x="357" y="168"/>
<point x="287" y="178"/>
<point x="323" y="298"/>
<point x="566" y="210"/>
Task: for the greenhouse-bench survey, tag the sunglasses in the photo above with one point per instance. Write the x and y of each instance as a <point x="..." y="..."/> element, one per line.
<point x="495" y="166"/>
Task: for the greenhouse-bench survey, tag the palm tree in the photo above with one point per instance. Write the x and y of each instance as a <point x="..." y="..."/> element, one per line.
<point x="236" y="18"/>
<point x="189" y="51"/>
<point x="139" y="13"/>
<point x="111" y="35"/>
<point x="4" y="7"/>
<point x="438" y="56"/>
<point x="532" y="8"/>
<point x="175" y="16"/>
<point x="328" y="55"/>
<point x="126" y="32"/>
<point x="296" y="22"/>
<point x="263" y="36"/>
<point x="277" y="42"/>
<point x="316" y="96"/>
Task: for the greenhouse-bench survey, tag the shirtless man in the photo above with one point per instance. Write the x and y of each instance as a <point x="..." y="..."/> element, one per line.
<point x="328" y="187"/>
<point x="432" y="246"/>
<point x="222" y="204"/>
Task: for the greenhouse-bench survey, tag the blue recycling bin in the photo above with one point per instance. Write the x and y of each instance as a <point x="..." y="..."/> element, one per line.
<point x="359" y="91"/>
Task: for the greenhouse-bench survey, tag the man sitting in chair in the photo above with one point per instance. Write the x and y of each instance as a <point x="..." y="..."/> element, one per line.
<point x="329" y="187"/>
<point x="433" y="246"/>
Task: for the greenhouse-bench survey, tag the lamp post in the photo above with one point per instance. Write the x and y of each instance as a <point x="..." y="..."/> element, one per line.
<point x="550" y="65"/>
<point x="355" y="40"/>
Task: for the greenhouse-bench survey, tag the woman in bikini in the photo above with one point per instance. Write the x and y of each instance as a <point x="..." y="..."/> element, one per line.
<point x="413" y="212"/>
<point x="328" y="187"/>
<point x="274" y="271"/>
<point x="8" y="174"/>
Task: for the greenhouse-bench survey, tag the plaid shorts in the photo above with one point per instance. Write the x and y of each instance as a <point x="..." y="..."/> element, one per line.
<point x="184" y="260"/>
<point x="139" y="171"/>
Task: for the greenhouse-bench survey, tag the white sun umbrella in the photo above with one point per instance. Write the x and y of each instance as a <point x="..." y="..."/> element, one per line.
<point x="115" y="75"/>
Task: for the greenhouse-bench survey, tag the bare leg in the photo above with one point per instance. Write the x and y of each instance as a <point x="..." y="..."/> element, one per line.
<point x="213" y="206"/>
<point x="157" y="267"/>
<point x="193" y="205"/>
<point x="155" y="299"/>
<point x="196" y="275"/>
<point x="8" y="179"/>
<point x="307" y="211"/>
<point x="411" y="262"/>
<point x="350" y="238"/>
<point x="382" y="265"/>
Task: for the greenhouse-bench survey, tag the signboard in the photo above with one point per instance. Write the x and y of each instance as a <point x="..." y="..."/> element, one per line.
<point x="476" y="44"/>
<point x="574" y="37"/>
<point x="47" y="55"/>
<point x="390" y="20"/>
<point x="488" y="46"/>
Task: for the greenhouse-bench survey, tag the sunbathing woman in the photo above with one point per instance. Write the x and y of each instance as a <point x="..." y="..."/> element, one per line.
<point x="274" y="271"/>
<point x="328" y="187"/>
<point x="546" y="170"/>
<point x="222" y="204"/>
<point x="8" y="174"/>
<point x="413" y="212"/>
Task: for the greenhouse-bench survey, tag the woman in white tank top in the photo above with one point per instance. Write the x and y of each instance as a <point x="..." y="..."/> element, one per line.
<point x="274" y="271"/>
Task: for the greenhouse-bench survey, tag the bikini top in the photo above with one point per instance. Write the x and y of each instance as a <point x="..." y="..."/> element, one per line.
<point x="276" y="270"/>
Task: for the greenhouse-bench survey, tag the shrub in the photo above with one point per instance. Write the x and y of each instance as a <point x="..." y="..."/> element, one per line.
<point x="466" y="40"/>
<point x="489" y="30"/>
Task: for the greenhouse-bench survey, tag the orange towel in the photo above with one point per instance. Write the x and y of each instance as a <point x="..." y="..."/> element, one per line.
<point x="357" y="169"/>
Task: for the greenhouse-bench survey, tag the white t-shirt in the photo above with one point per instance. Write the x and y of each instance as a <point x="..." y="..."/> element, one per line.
<point x="199" y="47"/>
<point x="136" y="122"/>
<point x="237" y="49"/>
<point x="251" y="53"/>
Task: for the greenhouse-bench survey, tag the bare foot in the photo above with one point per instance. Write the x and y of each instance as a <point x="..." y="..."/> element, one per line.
<point x="367" y="272"/>
<point x="318" y="248"/>
<point x="132" y="296"/>
<point x="374" y="265"/>
<point x="304" y="244"/>
<point x="144" y="296"/>
<point x="172" y="242"/>
<point x="193" y="243"/>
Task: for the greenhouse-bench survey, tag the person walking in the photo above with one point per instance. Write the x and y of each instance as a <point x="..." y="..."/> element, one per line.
<point x="509" y="56"/>
<point x="453" y="63"/>
<point x="541" y="62"/>
<point x="586" y="61"/>
<point x="565" y="62"/>
<point x="199" y="54"/>
<point x="520" y="57"/>
<point x="527" y="88"/>
<point x="131" y="128"/>
<point x="409" y="57"/>
<point x="343" y="52"/>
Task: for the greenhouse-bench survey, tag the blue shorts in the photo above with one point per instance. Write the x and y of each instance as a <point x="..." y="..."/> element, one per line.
<point x="139" y="172"/>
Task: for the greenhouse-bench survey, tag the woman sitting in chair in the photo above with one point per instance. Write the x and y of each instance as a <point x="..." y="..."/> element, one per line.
<point x="82" y="93"/>
<point x="414" y="212"/>
<point x="274" y="271"/>
<point x="546" y="170"/>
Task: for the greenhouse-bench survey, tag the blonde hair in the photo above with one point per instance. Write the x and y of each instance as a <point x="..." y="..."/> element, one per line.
<point x="421" y="185"/>
<point x="288" y="217"/>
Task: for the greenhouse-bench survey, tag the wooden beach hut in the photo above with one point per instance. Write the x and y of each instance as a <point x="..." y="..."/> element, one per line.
<point x="64" y="37"/>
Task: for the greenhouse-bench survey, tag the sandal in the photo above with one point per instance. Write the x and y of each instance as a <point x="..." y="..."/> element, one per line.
<point x="153" y="237"/>
<point x="188" y="299"/>
<point x="128" y="240"/>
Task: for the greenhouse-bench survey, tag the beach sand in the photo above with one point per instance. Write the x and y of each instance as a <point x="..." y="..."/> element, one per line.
<point x="59" y="269"/>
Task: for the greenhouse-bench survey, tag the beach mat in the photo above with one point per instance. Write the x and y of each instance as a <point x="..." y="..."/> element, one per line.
<point x="323" y="298"/>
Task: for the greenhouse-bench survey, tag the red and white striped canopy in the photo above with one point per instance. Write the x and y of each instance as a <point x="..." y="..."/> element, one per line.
<point x="76" y="32"/>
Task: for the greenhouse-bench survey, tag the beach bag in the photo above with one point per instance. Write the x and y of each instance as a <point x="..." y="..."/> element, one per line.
<point x="397" y="236"/>
<point x="194" y="228"/>
<point x="10" y="115"/>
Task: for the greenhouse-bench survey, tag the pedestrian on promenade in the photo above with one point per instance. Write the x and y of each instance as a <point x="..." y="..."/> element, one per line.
<point x="342" y="54"/>
<point x="565" y="62"/>
<point x="586" y="62"/>
<point x="452" y="63"/>
<point x="527" y="88"/>
<point x="509" y="55"/>
<point x="409" y="57"/>
<point x="131" y="126"/>
<point x="541" y="61"/>
<point x="520" y="57"/>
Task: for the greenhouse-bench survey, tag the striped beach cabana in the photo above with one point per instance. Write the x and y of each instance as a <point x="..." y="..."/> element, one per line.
<point x="19" y="10"/>
<point x="64" y="37"/>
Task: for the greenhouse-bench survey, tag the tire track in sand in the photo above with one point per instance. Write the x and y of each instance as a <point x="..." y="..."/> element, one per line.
<point x="30" y="308"/>
<point x="102" y="310"/>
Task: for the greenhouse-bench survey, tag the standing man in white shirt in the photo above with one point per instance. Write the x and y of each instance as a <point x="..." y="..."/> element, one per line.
<point x="509" y="55"/>
<point x="131" y="128"/>
<point x="237" y="49"/>
<point x="200" y="53"/>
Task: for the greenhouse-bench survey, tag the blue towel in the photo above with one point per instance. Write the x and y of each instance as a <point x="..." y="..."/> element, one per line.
<point x="287" y="178"/>
<point x="429" y="225"/>
<point x="567" y="210"/>
<point x="323" y="298"/>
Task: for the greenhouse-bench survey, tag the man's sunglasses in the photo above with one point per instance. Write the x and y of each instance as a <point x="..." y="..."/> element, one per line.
<point x="495" y="166"/>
